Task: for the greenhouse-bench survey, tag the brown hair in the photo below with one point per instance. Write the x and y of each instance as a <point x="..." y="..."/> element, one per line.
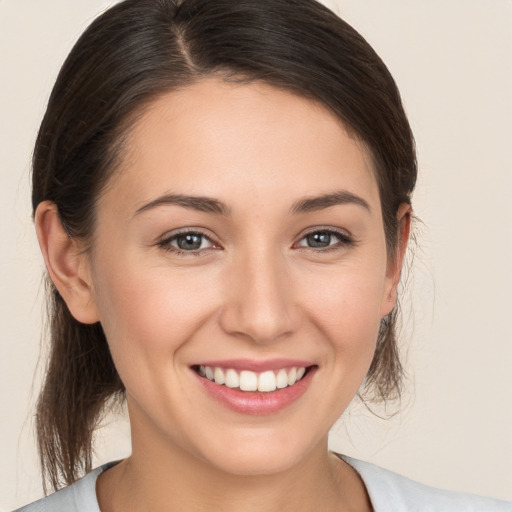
<point x="138" y="50"/>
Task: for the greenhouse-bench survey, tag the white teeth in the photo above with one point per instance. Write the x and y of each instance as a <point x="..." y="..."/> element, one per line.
<point x="247" y="380"/>
<point x="218" y="375"/>
<point x="281" y="379"/>
<point x="267" y="381"/>
<point x="232" y="379"/>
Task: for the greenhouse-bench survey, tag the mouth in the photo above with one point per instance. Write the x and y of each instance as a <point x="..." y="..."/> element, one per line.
<point x="247" y="387"/>
<point x="250" y="381"/>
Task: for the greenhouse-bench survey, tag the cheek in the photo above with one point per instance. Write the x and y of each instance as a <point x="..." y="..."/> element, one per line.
<point x="345" y="311"/>
<point x="347" y="306"/>
<point x="149" y="318"/>
<point x="147" y="315"/>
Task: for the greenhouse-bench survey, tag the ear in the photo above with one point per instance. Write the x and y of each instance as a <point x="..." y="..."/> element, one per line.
<point x="68" y="267"/>
<point x="395" y="264"/>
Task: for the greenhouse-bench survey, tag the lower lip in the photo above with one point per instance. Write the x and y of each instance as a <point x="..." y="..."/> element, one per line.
<point x="257" y="403"/>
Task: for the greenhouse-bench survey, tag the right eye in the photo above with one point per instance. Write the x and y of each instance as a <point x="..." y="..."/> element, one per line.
<point x="187" y="242"/>
<point x="325" y="240"/>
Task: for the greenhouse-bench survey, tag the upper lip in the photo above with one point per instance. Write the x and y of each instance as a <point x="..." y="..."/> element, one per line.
<point x="257" y="366"/>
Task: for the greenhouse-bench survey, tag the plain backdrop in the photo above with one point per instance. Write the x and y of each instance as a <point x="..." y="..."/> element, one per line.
<point x="452" y="63"/>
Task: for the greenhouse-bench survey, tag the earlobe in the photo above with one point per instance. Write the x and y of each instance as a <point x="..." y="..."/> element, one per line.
<point x="67" y="266"/>
<point x="395" y="265"/>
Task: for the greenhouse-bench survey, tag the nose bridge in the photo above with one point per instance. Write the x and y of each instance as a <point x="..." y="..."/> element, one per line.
<point x="259" y="301"/>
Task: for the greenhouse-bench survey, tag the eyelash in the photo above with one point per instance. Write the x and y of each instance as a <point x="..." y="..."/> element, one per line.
<point x="165" y="244"/>
<point x="344" y="241"/>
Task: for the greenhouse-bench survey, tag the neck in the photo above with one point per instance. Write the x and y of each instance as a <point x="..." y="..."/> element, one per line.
<point x="164" y="477"/>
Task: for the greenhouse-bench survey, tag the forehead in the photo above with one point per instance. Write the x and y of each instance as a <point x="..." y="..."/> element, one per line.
<point x="226" y="140"/>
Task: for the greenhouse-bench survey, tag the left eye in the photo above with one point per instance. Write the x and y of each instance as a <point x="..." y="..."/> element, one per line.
<point x="324" y="238"/>
<point x="189" y="241"/>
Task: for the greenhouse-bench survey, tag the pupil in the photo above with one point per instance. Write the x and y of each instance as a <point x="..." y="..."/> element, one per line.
<point x="319" y="239"/>
<point x="189" y="242"/>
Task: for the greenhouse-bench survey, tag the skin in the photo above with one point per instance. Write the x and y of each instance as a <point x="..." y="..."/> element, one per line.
<point x="255" y="289"/>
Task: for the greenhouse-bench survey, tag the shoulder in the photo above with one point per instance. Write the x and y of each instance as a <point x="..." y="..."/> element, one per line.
<point x="78" y="497"/>
<point x="390" y="491"/>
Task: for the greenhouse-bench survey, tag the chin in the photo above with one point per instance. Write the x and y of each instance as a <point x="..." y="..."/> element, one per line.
<point x="256" y="464"/>
<point x="255" y="455"/>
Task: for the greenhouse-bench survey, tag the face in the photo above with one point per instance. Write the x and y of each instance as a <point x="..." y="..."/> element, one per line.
<point x="239" y="248"/>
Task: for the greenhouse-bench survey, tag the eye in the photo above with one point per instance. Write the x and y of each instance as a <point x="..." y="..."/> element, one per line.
<point x="191" y="242"/>
<point x="325" y="239"/>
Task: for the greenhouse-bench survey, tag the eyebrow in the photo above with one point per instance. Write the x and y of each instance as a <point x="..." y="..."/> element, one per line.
<point x="211" y="205"/>
<point x="315" y="203"/>
<point x="199" y="203"/>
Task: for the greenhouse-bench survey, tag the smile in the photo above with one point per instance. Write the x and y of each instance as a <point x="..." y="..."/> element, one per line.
<point x="247" y="380"/>
<point x="255" y="387"/>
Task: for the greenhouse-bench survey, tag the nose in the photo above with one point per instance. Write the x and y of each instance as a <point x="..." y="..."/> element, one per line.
<point x="260" y="304"/>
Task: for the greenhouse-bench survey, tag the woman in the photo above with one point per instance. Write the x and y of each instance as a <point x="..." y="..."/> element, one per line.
<point x="221" y="193"/>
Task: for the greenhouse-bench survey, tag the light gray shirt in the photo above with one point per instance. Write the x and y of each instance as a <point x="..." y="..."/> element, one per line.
<point x="388" y="491"/>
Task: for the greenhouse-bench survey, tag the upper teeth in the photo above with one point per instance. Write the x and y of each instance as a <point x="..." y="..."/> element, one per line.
<point x="252" y="381"/>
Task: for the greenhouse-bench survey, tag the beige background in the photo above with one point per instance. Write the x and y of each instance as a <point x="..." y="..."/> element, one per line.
<point x="452" y="62"/>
